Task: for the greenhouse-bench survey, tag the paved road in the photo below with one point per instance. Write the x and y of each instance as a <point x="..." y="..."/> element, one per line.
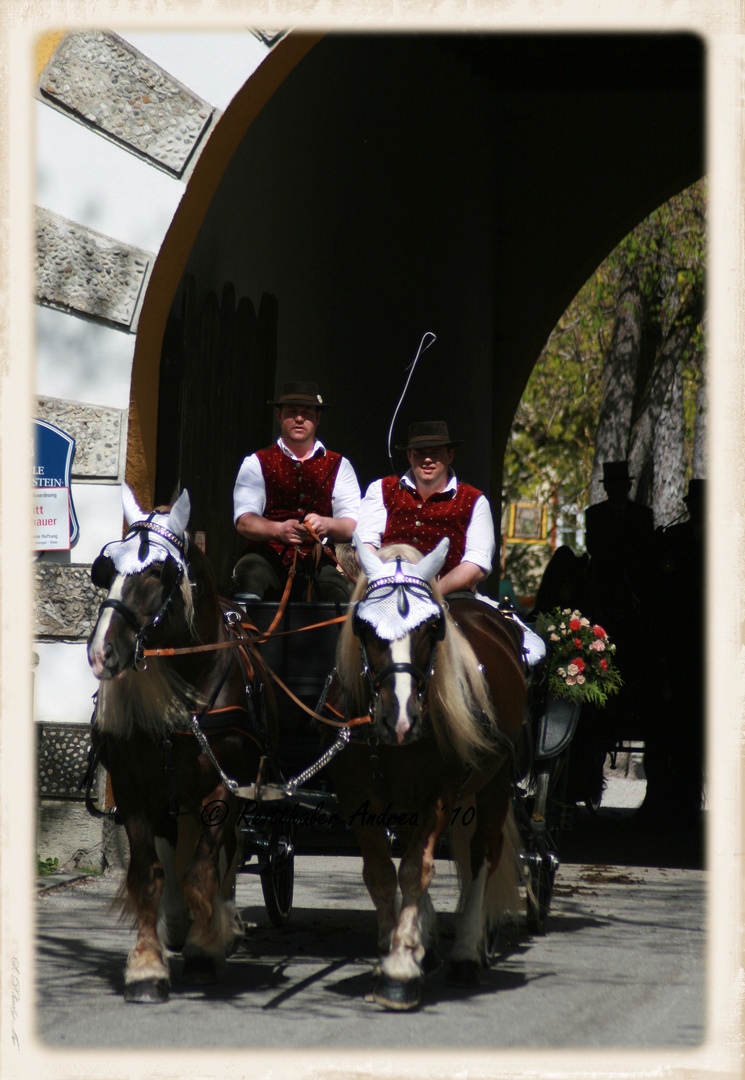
<point x="622" y="963"/>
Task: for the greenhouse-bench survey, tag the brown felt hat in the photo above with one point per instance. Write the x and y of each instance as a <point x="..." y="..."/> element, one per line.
<point x="300" y="393"/>
<point x="429" y="433"/>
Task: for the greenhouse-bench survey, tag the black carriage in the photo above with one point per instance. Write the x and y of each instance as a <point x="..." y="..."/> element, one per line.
<point x="294" y="809"/>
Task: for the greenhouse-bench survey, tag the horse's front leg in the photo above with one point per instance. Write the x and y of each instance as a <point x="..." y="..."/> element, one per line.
<point x="215" y="925"/>
<point x="379" y="875"/>
<point x="399" y="986"/>
<point x="146" y="977"/>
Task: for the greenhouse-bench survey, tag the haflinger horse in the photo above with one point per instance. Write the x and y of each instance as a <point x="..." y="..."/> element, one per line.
<point x="177" y="734"/>
<point x="444" y="686"/>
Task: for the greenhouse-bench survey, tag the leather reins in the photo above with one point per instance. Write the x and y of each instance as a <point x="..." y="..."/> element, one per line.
<point x="246" y="644"/>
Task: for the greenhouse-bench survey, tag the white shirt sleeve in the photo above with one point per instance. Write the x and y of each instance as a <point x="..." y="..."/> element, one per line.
<point x="480" y="542"/>
<point x="249" y="492"/>
<point x="373" y="515"/>
<point x="345" y="498"/>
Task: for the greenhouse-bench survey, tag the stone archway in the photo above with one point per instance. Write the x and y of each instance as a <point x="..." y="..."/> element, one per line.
<point x="467" y="185"/>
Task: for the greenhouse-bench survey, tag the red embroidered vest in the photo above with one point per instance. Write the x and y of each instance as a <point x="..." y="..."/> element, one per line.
<point x="290" y="487"/>
<point x="413" y="520"/>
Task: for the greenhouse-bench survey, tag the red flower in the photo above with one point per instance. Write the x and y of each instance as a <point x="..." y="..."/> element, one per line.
<point x="603" y="665"/>
<point x="580" y="663"/>
<point x="578" y="643"/>
<point x="599" y="632"/>
<point x="574" y="624"/>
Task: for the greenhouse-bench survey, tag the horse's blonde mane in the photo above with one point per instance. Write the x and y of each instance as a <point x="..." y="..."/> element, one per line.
<point x="460" y="707"/>
<point x="155" y="701"/>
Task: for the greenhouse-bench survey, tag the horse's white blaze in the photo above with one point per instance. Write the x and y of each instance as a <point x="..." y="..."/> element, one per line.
<point x="97" y="644"/>
<point x="469" y="927"/>
<point x="403" y="685"/>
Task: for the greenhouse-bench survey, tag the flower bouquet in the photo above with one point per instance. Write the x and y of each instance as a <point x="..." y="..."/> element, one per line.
<point x="580" y="662"/>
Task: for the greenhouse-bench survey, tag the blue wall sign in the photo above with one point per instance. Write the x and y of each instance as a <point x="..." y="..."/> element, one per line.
<point x="55" y="523"/>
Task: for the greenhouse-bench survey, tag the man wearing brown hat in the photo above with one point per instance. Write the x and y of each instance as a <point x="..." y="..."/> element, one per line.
<point x="427" y="503"/>
<point x="284" y="489"/>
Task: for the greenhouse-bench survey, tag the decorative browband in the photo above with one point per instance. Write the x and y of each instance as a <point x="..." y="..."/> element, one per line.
<point x="399" y="579"/>
<point x="166" y="534"/>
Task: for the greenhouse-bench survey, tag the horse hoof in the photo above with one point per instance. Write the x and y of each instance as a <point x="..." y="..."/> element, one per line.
<point x="199" y="971"/>
<point x="396" y="994"/>
<point x="146" y="991"/>
<point x="463" y="973"/>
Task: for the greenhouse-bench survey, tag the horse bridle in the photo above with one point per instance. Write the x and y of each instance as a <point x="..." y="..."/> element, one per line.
<point x="101" y="577"/>
<point x="402" y="584"/>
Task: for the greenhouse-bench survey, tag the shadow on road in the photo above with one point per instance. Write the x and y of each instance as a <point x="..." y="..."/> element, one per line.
<point x="614" y="837"/>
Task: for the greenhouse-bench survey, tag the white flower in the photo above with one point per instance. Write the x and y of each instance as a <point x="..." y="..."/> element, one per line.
<point x="572" y="669"/>
<point x="580" y="679"/>
<point x="554" y="637"/>
<point x="571" y="681"/>
<point x="562" y="671"/>
<point x="598" y="646"/>
<point x="584" y="622"/>
<point x="551" y="627"/>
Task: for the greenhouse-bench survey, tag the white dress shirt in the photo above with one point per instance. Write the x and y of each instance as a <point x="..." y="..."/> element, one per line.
<point x="249" y="492"/>
<point x="480" y="542"/>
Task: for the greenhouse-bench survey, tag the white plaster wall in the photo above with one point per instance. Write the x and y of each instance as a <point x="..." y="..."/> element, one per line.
<point x="95" y="182"/>
<point x="63" y="683"/>
<point x="214" y="65"/>
<point x="99" y="511"/>
<point x="81" y="360"/>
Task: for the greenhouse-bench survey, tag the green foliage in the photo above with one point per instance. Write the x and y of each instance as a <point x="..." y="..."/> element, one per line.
<point x="44" y="867"/>
<point x="549" y="455"/>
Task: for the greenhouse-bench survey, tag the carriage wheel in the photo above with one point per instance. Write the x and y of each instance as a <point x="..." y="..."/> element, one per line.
<point x="278" y="879"/>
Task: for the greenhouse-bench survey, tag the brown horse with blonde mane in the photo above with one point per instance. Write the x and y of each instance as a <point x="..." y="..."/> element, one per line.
<point x="445" y="690"/>
<point x="177" y="734"/>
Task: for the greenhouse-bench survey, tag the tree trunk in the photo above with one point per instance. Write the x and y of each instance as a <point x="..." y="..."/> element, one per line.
<point x="699" y="428"/>
<point x="668" y="456"/>
<point x="619" y="382"/>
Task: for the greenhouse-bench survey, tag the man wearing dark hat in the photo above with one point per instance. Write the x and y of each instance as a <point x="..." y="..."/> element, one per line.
<point x="619" y="536"/>
<point x="674" y="792"/>
<point x="427" y="503"/>
<point x="282" y="489"/>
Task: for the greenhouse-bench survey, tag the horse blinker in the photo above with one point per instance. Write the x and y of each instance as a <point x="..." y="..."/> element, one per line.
<point x="103" y="572"/>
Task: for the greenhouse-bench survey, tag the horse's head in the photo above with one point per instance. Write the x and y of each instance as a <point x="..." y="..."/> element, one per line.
<point x="142" y="574"/>
<point x="398" y="621"/>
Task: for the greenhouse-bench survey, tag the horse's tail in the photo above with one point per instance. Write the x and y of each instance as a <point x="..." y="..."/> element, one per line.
<point x="502" y="901"/>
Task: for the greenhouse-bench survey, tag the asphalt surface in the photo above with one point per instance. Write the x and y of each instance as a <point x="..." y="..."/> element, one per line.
<point x="622" y="963"/>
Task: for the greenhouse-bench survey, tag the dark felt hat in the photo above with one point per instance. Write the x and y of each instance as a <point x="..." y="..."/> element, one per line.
<point x="696" y="490"/>
<point x="429" y="433"/>
<point x="300" y="393"/>
<point x="615" y="470"/>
